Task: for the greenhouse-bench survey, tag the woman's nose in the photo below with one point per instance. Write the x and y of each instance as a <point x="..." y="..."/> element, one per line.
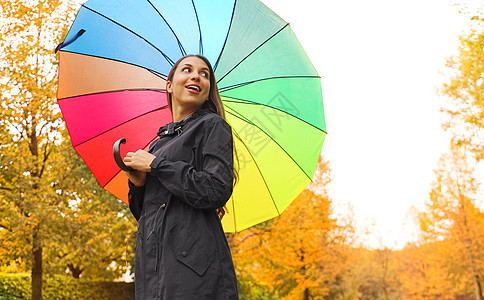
<point x="195" y="76"/>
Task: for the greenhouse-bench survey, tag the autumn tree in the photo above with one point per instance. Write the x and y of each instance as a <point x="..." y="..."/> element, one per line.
<point x="453" y="221"/>
<point x="465" y="91"/>
<point x="300" y="254"/>
<point x="94" y="228"/>
<point x="50" y="205"/>
<point x="420" y="274"/>
<point x="29" y="115"/>
<point x="84" y="229"/>
<point x="446" y="263"/>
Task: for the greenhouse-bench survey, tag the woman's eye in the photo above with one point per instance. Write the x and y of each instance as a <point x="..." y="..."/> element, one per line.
<point x="205" y="74"/>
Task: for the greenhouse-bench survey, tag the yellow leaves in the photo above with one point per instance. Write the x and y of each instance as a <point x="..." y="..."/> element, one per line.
<point x="423" y="272"/>
<point x="13" y="266"/>
<point x="451" y="252"/>
<point x="465" y="91"/>
<point x="41" y="169"/>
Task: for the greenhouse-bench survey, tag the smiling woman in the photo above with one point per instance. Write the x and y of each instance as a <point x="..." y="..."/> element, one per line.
<point x="178" y="189"/>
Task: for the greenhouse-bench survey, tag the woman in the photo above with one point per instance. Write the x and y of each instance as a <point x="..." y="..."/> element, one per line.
<point x="177" y="188"/>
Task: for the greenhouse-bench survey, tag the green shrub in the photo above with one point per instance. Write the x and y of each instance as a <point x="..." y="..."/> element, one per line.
<point x="14" y="286"/>
<point x="17" y="286"/>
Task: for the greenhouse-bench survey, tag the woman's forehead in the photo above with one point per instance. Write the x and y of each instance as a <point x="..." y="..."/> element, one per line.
<point x="194" y="62"/>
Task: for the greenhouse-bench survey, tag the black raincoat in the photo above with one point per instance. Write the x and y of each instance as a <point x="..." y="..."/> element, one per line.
<point x="181" y="249"/>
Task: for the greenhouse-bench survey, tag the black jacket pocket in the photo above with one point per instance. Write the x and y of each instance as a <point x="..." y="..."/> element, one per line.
<point x="188" y="250"/>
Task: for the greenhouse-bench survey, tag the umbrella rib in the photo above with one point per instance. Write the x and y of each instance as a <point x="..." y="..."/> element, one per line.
<point x="287" y="24"/>
<point x="113" y="91"/>
<point x="226" y="37"/>
<point x="242" y="84"/>
<point x="138" y="116"/>
<point x="200" y="44"/>
<point x="156" y="74"/>
<point x="122" y="26"/>
<point x="268" y="135"/>
<point x="237" y="115"/>
<point x="248" y="102"/>
<point x="172" y="31"/>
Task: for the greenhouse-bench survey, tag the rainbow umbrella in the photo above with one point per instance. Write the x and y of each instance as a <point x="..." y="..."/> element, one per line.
<point x="113" y="66"/>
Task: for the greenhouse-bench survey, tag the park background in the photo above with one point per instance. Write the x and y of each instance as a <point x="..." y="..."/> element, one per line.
<point x="396" y="207"/>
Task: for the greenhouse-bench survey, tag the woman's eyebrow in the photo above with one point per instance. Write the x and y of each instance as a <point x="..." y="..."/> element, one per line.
<point x="189" y="65"/>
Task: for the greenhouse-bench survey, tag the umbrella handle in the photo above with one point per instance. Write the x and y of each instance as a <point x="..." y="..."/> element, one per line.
<point x="117" y="156"/>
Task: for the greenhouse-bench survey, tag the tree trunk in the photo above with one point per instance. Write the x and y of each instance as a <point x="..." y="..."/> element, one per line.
<point x="36" y="274"/>
<point x="479" y="286"/>
<point x="306" y="294"/>
<point x="473" y="272"/>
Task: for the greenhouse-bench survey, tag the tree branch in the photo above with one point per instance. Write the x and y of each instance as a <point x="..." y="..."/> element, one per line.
<point x="5" y="227"/>
<point x="46" y="156"/>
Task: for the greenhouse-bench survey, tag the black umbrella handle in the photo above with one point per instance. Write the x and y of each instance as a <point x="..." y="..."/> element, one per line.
<point x="117" y="156"/>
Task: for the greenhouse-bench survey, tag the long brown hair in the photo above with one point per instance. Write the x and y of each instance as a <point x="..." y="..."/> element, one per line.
<point x="214" y="103"/>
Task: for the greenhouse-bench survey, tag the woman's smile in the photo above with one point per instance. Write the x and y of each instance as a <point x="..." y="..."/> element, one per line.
<point x="193" y="88"/>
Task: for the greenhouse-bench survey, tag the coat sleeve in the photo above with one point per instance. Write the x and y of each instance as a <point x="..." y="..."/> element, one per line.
<point x="211" y="186"/>
<point x="135" y="199"/>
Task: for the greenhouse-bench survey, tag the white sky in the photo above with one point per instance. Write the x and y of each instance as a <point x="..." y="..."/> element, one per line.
<point x="380" y="62"/>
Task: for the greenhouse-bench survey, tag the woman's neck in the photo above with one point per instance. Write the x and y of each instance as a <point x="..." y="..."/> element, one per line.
<point x="180" y="113"/>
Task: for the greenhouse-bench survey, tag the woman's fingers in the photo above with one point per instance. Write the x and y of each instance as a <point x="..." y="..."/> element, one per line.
<point x="128" y="156"/>
<point x="139" y="160"/>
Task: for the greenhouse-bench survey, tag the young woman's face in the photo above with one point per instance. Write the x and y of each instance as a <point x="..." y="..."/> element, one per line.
<point x="190" y="84"/>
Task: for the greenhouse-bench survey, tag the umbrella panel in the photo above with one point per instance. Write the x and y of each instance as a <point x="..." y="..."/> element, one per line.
<point x="252" y="24"/>
<point x="250" y="196"/>
<point x="298" y="140"/>
<point x="288" y="59"/>
<point x="214" y="21"/>
<point x="92" y="115"/>
<point x="299" y="97"/>
<point x="83" y="75"/>
<point x="120" y="44"/>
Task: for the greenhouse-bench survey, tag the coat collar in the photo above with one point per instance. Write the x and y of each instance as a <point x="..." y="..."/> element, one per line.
<point x="177" y="127"/>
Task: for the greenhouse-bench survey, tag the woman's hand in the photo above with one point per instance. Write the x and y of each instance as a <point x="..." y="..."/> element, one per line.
<point x="139" y="160"/>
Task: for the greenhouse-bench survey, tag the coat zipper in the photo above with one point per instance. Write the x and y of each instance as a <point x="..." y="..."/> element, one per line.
<point x="156" y="237"/>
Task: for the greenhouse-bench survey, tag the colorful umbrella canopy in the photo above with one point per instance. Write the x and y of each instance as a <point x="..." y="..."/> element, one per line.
<point x="113" y="66"/>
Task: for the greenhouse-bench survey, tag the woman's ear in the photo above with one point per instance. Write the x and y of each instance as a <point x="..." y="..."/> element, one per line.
<point x="168" y="87"/>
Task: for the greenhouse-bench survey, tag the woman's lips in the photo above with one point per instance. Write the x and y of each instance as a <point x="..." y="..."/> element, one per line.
<point x="193" y="89"/>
